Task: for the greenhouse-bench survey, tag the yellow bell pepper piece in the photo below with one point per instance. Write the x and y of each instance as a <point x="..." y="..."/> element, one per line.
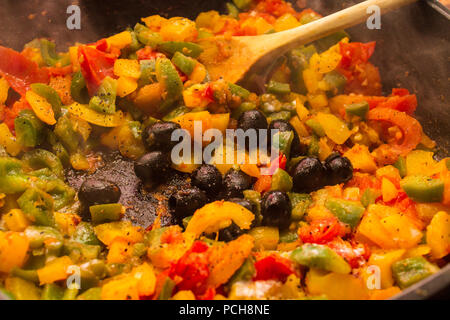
<point x="438" y="235"/>
<point x="184" y="295"/>
<point x="193" y="98"/>
<point x="402" y="231"/>
<point x="119" y="251"/>
<point x="318" y="100"/>
<point x="419" y="162"/>
<point x="311" y="79"/>
<point x="126" y="86"/>
<point x="73" y="54"/>
<point x="120" y="40"/>
<point x="4" y="88"/>
<point x="215" y="215"/>
<point x="109" y="232"/>
<point x="8" y="141"/>
<point x="302" y="112"/>
<point x="336" y="286"/>
<point x="97" y="118"/>
<point x="54" y="270"/>
<point x="178" y="29"/>
<point x="286" y="22"/>
<point x="15" y="220"/>
<point x="299" y="126"/>
<point x="13" y="250"/>
<point x="127" y="68"/>
<point x="388" y="190"/>
<point x="384" y="294"/>
<point x="384" y="261"/>
<point x="41" y="107"/>
<point x="334" y="128"/>
<point x="67" y="222"/>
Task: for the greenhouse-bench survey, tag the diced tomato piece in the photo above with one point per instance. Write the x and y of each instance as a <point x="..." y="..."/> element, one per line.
<point x="355" y="53"/>
<point x="95" y="66"/>
<point x="147" y="53"/>
<point x="356" y="254"/>
<point x="19" y="71"/>
<point x="191" y="270"/>
<point x="273" y="267"/>
<point x="59" y="71"/>
<point x="208" y="295"/>
<point x="263" y="184"/>
<point x="320" y="231"/>
<point x="12" y="113"/>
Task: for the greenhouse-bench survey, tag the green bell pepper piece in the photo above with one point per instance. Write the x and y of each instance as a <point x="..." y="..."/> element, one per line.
<point x="320" y="257"/>
<point x="179" y="111"/>
<point x="64" y="130"/>
<point x="70" y="294"/>
<point x="278" y="88"/>
<point x="336" y="82"/>
<point x="189" y="49"/>
<point x="78" y="89"/>
<point x="81" y="252"/>
<point x="49" y="55"/>
<point x="52" y="291"/>
<point x="50" y="95"/>
<point x="239" y="91"/>
<point x="300" y="203"/>
<point x="400" y="164"/>
<point x="411" y="270"/>
<point x="346" y="211"/>
<point x="28" y="275"/>
<point x="12" y="177"/>
<point x="281" y="180"/>
<point x="255" y="198"/>
<point x="203" y="34"/>
<point x="37" y="235"/>
<point x="146" y="36"/>
<point x="106" y="212"/>
<point x="316" y="127"/>
<point x="184" y="63"/>
<point x="298" y="61"/>
<point x="359" y="109"/>
<point x="245" y="273"/>
<point x="61" y="153"/>
<point x="91" y="294"/>
<point x="139" y="249"/>
<point x="281" y="115"/>
<point x="232" y="10"/>
<point x="245" y="106"/>
<point x="369" y="196"/>
<point x="37" y="206"/>
<point x="313" y="148"/>
<point x="23" y="290"/>
<point x="40" y="158"/>
<point x="288" y="236"/>
<point x="29" y="129"/>
<point x="105" y="99"/>
<point x="169" y="78"/>
<point x="167" y="289"/>
<point x="284" y="142"/>
<point x="85" y="234"/>
<point x="243" y="4"/>
<point x="148" y="72"/>
<point x="331" y="40"/>
<point x="62" y="194"/>
<point x="423" y="188"/>
<point x="186" y="221"/>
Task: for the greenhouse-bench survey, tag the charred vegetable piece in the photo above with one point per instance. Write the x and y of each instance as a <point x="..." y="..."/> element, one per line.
<point x="320" y="257"/>
<point x="423" y="189"/>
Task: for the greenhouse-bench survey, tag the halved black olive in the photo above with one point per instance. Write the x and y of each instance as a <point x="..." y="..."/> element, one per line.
<point x="152" y="167"/>
<point x="158" y="136"/>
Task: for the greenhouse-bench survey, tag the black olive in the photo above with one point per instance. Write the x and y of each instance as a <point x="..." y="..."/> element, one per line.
<point x="309" y="175"/>
<point x="297" y="149"/>
<point x="158" y="136"/>
<point x="253" y="119"/>
<point x="235" y="182"/>
<point x="339" y="169"/>
<point x="184" y="203"/>
<point x="230" y="233"/>
<point x="96" y="191"/>
<point x="208" y="178"/>
<point x="153" y="166"/>
<point x="276" y="209"/>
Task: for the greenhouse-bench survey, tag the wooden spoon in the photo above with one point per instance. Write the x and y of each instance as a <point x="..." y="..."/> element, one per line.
<point x="231" y="58"/>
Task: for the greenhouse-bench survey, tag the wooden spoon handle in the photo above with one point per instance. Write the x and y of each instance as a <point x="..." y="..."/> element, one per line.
<point x="335" y="22"/>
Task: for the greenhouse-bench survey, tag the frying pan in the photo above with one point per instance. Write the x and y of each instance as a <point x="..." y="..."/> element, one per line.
<point x="412" y="52"/>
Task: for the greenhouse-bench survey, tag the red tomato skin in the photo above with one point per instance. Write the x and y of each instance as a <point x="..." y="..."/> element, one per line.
<point x="273" y="267"/>
<point x="320" y="231"/>
<point x="19" y="71"/>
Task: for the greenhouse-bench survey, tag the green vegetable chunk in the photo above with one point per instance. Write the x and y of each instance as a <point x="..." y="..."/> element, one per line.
<point x="316" y="127"/>
<point x="12" y="178"/>
<point x="245" y="106"/>
<point x="50" y="95"/>
<point x="52" y="292"/>
<point x="29" y="129"/>
<point x="423" y="189"/>
<point x="106" y="212"/>
<point x="146" y="36"/>
<point x="78" y="89"/>
<point x="359" y="109"/>
<point x="85" y="234"/>
<point x="189" y="49"/>
<point x="170" y="80"/>
<point x="369" y="196"/>
<point x="184" y="63"/>
<point x="281" y="180"/>
<point x="300" y="203"/>
<point x="244" y="273"/>
<point x="278" y="88"/>
<point x="23" y="290"/>
<point x="346" y="211"/>
<point x="105" y="100"/>
<point x="320" y="257"/>
<point x="37" y="206"/>
<point x="409" y="271"/>
<point x="400" y="164"/>
<point x="40" y="158"/>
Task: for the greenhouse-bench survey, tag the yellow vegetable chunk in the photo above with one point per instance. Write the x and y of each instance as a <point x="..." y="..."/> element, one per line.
<point x="384" y="261"/>
<point x="388" y="190"/>
<point x="67" y="222"/>
<point x="402" y="231"/>
<point x="285" y="22"/>
<point x="119" y="251"/>
<point x="41" y="108"/>
<point x="149" y="97"/>
<point x="109" y="232"/>
<point x="266" y="238"/>
<point x="419" y="162"/>
<point x="335" y="128"/>
<point x="126" y="86"/>
<point x="15" y="220"/>
<point x="225" y="260"/>
<point x="120" y="40"/>
<point x="361" y="159"/>
<point x="438" y="235"/>
<point x="127" y="68"/>
<point x="4" y="88"/>
<point x="97" y="118"/>
<point x="212" y="216"/>
<point x="54" y="270"/>
<point x="178" y="29"/>
<point x="336" y="286"/>
<point x="13" y="250"/>
<point x="384" y="294"/>
<point x="8" y="141"/>
<point x="184" y="295"/>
